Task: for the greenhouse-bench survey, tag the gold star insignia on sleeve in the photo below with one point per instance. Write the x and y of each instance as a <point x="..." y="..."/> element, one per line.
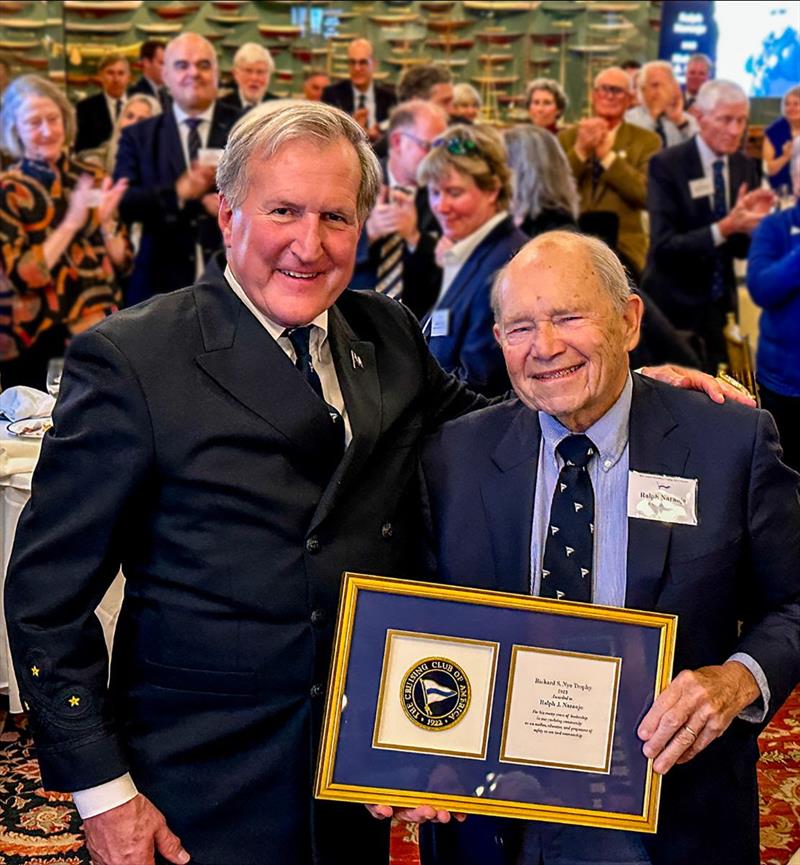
<point x="74" y="701"/>
<point x="35" y="671"/>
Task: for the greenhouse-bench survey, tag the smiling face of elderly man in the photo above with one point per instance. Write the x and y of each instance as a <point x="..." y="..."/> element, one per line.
<point x="565" y="320"/>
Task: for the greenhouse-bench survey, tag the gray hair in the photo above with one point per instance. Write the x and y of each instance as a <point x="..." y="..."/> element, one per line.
<point x="416" y="82"/>
<point x="262" y="132"/>
<point x="792" y="91"/>
<point x="699" y="57"/>
<point x="408" y="113"/>
<point x="542" y="176"/>
<point x="466" y="94"/>
<point x="14" y="98"/>
<point x="252" y="52"/>
<point x="651" y="66"/>
<point x="603" y="261"/>
<point x="553" y="88"/>
<point x="712" y="93"/>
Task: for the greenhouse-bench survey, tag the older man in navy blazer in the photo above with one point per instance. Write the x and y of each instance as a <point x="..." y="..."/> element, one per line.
<point x="704" y="202"/>
<point x="727" y="565"/>
<point x="169" y="192"/>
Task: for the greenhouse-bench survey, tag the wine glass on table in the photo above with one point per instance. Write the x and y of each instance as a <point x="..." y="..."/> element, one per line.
<point x="55" y="369"/>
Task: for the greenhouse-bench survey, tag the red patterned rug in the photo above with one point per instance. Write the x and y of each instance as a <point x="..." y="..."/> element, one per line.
<point x="42" y="828"/>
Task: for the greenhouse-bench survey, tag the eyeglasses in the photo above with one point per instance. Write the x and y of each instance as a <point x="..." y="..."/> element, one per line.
<point x="420" y="142"/>
<point x="610" y="90"/>
<point x="457" y="146"/>
<point x="356" y="61"/>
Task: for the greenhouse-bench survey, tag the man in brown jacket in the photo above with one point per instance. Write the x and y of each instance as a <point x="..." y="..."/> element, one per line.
<point x="609" y="160"/>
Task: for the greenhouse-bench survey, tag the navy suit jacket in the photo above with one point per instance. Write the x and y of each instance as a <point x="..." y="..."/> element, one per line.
<point x="341" y="96"/>
<point x="143" y="86"/>
<point x="232" y="99"/>
<point x="680" y="262"/>
<point x="151" y="157"/>
<point x="469" y="349"/>
<point x="214" y="486"/>
<point x="739" y="564"/>
<point x="94" y="122"/>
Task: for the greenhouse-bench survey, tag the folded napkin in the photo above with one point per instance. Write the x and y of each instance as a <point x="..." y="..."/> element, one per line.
<point x="21" y="401"/>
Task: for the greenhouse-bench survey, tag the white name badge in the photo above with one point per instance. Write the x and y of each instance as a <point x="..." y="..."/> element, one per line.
<point x="662" y="498"/>
<point x="440" y="322"/>
<point x="794" y="230"/>
<point x="701" y="187"/>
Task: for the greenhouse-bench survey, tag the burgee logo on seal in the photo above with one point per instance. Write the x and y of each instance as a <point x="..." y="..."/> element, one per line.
<point x="435" y="693"/>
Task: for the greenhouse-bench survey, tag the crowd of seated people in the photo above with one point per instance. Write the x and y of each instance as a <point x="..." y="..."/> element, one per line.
<point x="657" y="171"/>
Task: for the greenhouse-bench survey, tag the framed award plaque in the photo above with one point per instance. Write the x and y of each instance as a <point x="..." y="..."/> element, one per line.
<point x="493" y="703"/>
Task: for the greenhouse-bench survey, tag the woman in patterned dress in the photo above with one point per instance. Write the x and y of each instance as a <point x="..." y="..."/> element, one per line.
<point x="61" y="247"/>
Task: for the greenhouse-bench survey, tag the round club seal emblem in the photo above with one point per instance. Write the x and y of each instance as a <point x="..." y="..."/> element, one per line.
<point x="435" y="694"/>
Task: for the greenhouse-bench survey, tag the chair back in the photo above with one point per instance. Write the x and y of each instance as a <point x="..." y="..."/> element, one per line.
<point x="740" y="367"/>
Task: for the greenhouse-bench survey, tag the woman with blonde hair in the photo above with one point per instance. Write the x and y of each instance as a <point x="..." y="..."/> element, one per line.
<point x="469" y="188"/>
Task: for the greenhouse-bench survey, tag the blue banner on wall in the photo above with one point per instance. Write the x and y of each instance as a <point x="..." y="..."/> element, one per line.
<point x="687" y="27"/>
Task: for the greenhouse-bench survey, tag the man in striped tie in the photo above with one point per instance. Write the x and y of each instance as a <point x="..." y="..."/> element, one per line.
<point x="396" y="250"/>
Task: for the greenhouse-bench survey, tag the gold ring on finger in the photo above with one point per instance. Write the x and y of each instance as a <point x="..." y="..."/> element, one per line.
<point x="690" y="731"/>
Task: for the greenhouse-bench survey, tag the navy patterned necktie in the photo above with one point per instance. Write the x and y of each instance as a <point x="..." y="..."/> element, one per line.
<point x="720" y="211"/>
<point x="569" y="548"/>
<point x="300" y="338"/>
<point x="193" y="142"/>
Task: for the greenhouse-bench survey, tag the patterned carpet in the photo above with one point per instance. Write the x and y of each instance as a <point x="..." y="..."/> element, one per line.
<point x="42" y="828"/>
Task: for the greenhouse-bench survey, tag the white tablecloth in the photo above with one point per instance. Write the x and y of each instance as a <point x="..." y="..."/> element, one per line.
<point x="17" y="460"/>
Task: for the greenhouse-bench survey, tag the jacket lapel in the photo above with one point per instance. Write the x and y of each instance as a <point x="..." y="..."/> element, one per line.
<point x="655" y="447"/>
<point x="218" y="133"/>
<point x="704" y="206"/>
<point x="357" y="373"/>
<point x="172" y="151"/>
<point x="508" y="501"/>
<point x="246" y="362"/>
<point x="474" y="263"/>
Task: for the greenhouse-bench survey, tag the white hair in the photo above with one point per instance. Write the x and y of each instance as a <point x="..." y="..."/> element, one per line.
<point x="252" y="52"/>
<point x="651" y="66"/>
<point x="713" y="93"/>
<point x="603" y="260"/>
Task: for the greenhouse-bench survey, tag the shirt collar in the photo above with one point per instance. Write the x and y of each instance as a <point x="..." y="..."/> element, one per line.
<point x="369" y="93"/>
<point x="180" y="115"/>
<point x="245" y="101"/>
<point x="609" y="434"/>
<point x="707" y="156"/>
<point x="275" y="330"/>
<point x="459" y="252"/>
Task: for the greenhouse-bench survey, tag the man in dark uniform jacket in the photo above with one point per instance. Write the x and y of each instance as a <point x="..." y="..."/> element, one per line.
<point x="170" y="192"/>
<point x="96" y="115"/>
<point x="252" y="68"/>
<point x="704" y="202"/>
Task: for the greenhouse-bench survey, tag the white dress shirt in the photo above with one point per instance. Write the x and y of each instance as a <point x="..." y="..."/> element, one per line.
<point x="457" y="255"/>
<point x="369" y="102"/>
<point x="203" y="129"/>
<point x="707" y="159"/>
